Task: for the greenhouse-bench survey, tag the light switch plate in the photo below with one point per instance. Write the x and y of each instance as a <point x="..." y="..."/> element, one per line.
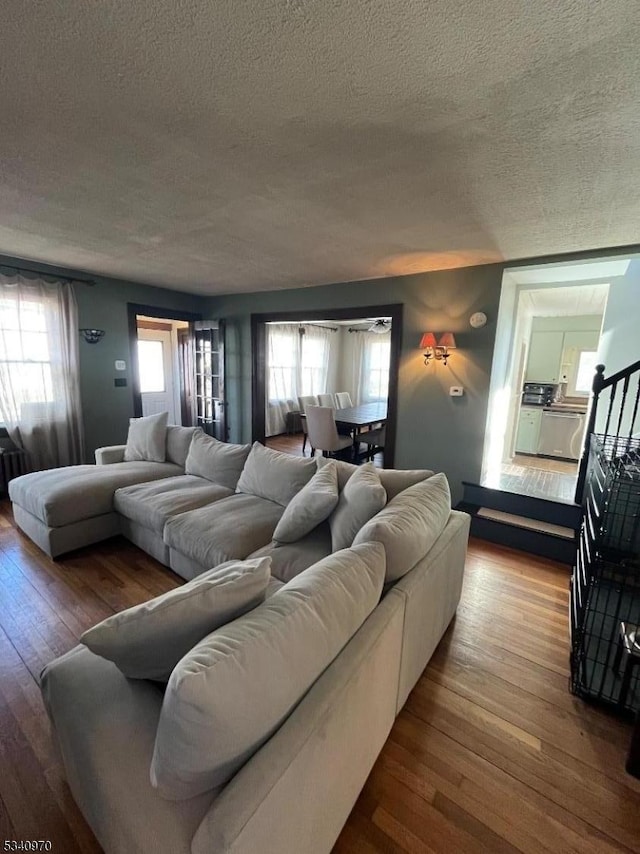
<point x="456" y="391"/>
<point x="120" y="365"/>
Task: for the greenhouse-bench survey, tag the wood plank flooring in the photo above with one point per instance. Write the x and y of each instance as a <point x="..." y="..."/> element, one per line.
<point x="490" y="754"/>
<point x="537" y="476"/>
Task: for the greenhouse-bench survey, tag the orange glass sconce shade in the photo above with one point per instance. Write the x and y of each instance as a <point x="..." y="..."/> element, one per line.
<point x="437" y="349"/>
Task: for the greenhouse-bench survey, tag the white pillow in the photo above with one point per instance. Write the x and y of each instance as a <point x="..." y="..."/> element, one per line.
<point x="410" y="524"/>
<point x="147" y="641"/>
<point x="393" y="480"/>
<point x="362" y="497"/>
<point x="273" y="475"/>
<point x="147" y="438"/>
<point x="219" y="462"/>
<point x="178" y="443"/>
<point x="235" y="688"/>
<point x="310" y="506"/>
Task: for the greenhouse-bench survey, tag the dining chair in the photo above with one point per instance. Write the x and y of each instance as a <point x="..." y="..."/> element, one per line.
<point x="323" y="433"/>
<point x="304" y="401"/>
<point x="374" y="440"/>
<point x="343" y="400"/>
<point x="326" y="400"/>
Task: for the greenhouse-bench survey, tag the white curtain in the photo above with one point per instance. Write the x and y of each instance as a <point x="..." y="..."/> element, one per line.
<point x="299" y="362"/>
<point x="366" y="370"/>
<point x="39" y="373"/>
<point x="283" y="357"/>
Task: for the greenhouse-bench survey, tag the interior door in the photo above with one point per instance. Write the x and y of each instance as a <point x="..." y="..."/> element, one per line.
<point x="155" y="366"/>
<point x="210" y="403"/>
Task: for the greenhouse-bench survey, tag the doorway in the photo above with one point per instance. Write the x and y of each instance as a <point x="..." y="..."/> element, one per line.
<point x="351" y="352"/>
<point x="548" y="336"/>
<point x="162" y="355"/>
<point x="159" y="369"/>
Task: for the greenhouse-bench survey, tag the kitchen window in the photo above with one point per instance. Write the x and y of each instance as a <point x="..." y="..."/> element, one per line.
<point x="585" y="369"/>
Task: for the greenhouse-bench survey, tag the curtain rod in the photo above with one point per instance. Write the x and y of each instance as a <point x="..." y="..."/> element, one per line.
<point x="89" y="282"/>
<point x="319" y="326"/>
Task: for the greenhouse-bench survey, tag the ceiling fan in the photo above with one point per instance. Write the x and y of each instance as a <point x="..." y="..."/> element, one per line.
<point x="380" y="326"/>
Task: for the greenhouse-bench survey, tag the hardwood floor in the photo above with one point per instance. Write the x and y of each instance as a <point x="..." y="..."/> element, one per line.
<point x="537" y="476"/>
<point x="292" y="444"/>
<point x="490" y="754"/>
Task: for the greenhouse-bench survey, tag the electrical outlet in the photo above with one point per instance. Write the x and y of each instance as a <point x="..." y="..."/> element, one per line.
<point x="456" y="391"/>
<point x="120" y="365"/>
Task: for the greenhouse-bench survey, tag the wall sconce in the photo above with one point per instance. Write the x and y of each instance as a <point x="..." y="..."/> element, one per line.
<point x="92" y="336"/>
<point x="438" y="350"/>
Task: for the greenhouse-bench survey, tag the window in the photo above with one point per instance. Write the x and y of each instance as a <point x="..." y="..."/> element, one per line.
<point x="24" y="350"/>
<point x="313" y="364"/>
<point x="585" y="371"/>
<point x="151" y="366"/>
<point x="282" y="362"/>
<point x="377" y="369"/>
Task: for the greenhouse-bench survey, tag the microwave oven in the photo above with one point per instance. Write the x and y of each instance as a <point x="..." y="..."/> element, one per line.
<point x="538" y="394"/>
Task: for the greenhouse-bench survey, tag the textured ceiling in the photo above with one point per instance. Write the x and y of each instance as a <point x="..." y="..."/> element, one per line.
<point x="234" y="145"/>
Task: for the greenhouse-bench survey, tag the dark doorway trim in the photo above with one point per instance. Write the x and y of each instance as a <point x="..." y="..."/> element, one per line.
<point x="259" y="366"/>
<point x="133" y="309"/>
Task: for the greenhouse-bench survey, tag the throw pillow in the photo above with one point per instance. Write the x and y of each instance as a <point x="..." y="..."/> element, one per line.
<point x="236" y="687"/>
<point x="410" y="524"/>
<point x="178" y="443"/>
<point x="311" y="506"/>
<point x="219" y="462"/>
<point x="393" y="480"/>
<point x="147" y="641"/>
<point x="273" y="475"/>
<point x="147" y="438"/>
<point x="362" y="497"/>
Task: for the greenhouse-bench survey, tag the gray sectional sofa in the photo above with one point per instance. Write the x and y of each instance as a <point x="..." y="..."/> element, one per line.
<point x="294" y="789"/>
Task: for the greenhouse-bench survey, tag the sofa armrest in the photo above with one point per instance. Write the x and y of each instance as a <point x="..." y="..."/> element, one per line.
<point x="110" y="454"/>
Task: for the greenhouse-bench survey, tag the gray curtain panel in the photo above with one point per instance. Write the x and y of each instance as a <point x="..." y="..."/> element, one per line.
<point x="39" y="372"/>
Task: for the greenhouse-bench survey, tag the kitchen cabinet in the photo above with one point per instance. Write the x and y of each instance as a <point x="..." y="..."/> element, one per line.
<point x="528" y="434"/>
<point x="545" y="357"/>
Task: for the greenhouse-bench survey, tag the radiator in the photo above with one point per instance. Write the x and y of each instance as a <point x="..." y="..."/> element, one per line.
<point x="12" y="464"/>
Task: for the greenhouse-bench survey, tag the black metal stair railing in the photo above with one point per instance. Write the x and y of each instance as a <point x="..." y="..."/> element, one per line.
<point x="605" y="583"/>
<point x="620" y="393"/>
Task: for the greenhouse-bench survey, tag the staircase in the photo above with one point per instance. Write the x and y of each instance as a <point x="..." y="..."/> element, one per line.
<point x="536" y="525"/>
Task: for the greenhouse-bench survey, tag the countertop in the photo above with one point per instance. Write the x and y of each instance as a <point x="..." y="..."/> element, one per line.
<point x="569" y="408"/>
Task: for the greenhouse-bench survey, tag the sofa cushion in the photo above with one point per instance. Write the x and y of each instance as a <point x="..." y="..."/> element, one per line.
<point x="230" y="529"/>
<point x="147" y="438"/>
<point x="148" y="640"/>
<point x="273" y="475"/>
<point x="290" y="559"/>
<point x="62" y="496"/>
<point x="219" y="462"/>
<point x="362" y="497"/>
<point x="233" y="690"/>
<point x="393" y="480"/>
<point x="178" y="442"/>
<point x="410" y="524"/>
<point x="311" y="506"/>
<point x="152" y="504"/>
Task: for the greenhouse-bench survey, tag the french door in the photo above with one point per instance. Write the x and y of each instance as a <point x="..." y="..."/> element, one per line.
<point x="210" y="404"/>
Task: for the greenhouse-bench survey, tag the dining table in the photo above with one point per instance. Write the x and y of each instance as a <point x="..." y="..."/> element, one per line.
<point x="365" y="415"/>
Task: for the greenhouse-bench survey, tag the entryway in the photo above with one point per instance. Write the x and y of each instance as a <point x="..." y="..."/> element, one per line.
<point x="550" y="323"/>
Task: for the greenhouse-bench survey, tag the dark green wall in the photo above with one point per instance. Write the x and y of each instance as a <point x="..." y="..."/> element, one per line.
<point x="107" y="409"/>
<point x="434" y="430"/>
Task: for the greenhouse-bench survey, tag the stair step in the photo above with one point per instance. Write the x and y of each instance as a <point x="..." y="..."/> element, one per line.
<point x="564" y="514"/>
<point x="524" y="522"/>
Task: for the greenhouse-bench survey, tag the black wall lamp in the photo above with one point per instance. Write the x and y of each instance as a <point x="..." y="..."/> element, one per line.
<point x="92" y="336"/>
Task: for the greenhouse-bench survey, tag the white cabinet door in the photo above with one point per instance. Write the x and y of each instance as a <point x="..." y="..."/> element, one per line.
<point x="528" y="430"/>
<point x="545" y="356"/>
